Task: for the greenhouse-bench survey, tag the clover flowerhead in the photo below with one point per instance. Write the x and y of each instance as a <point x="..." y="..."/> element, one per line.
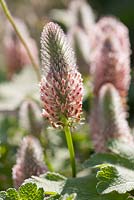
<point x="108" y="119"/>
<point x="29" y="161"/>
<point x="61" y="86"/>
<point x="110" y="59"/>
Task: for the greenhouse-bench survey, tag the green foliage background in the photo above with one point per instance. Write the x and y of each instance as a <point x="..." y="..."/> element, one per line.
<point x="36" y="14"/>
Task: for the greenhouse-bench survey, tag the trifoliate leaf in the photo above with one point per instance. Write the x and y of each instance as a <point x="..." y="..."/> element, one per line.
<point x="117" y="178"/>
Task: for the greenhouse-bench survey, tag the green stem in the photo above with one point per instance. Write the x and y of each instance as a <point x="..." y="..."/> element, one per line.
<point x="44" y="143"/>
<point x="49" y="165"/>
<point x="11" y="20"/>
<point x="71" y="149"/>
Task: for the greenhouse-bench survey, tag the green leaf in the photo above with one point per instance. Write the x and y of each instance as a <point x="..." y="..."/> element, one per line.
<point x="52" y="176"/>
<point x="53" y="197"/>
<point x="12" y="194"/>
<point x="2" y="195"/>
<point x="100" y="158"/>
<point x="69" y="197"/>
<point x="63" y="197"/>
<point x="117" y="171"/>
<point x="110" y="158"/>
<point x="52" y="183"/>
<point x="124" y="151"/>
<point x="83" y="187"/>
<point x="130" y="198"/>
<point x="117" y="178"/>
<point x="29" y="191"/>
<point x="121" y="154"/>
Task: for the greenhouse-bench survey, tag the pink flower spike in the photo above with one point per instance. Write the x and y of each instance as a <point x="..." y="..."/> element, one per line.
<point x="110" y="59"/>
<point x="29" y="161"/>
<point x="108" y="119"/>
<point x="61" y="86"/>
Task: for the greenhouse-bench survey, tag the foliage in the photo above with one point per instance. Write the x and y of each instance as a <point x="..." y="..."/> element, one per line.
<point x="117" y="171"/>
<point x="15" y="92"/>
<point x="51" y="184"/>
<point x="27" y="191"/>
<point x="108" y="172"/>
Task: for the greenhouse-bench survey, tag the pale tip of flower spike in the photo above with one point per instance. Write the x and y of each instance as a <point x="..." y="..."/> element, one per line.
<point x="56" y="52"/>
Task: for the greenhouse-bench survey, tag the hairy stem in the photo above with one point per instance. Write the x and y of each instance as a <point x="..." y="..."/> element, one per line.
<point x="71" y="149"/>
<point x="11" y="20"/>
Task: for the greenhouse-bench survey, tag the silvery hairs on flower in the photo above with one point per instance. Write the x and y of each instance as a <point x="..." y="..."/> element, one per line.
<point x="110" y="59"/>
<point x="108" y="119"/>
<point x="61" y="86"/>
<point x="29" y="161"/>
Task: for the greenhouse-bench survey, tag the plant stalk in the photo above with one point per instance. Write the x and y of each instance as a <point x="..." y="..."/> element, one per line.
<point x="11" y="20"/>
<point x="71" y="149"/>
<point x="49" y="165"/>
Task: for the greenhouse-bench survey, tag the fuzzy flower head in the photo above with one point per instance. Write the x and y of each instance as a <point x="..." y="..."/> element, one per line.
<point x="15" y="54"/>
<point x="111" y="26"/>
<point x="61" y="85"/>
<point x="29" y="161"/>
<point x="108" y="119"/>
<point x="110" y="62"/>
<point x="30" y="117"/>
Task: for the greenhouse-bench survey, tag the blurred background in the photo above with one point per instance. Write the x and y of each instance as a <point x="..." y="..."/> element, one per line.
<point x="20" y="106"/>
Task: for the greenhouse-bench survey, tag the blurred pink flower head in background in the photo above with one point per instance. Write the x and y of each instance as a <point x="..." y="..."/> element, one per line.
<point x="110" y="69"/>
<point x="15" y="54"/>
<point x="108" y="119"/>
<point x="29" y="161"/>
<point x="110" y="58"/>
